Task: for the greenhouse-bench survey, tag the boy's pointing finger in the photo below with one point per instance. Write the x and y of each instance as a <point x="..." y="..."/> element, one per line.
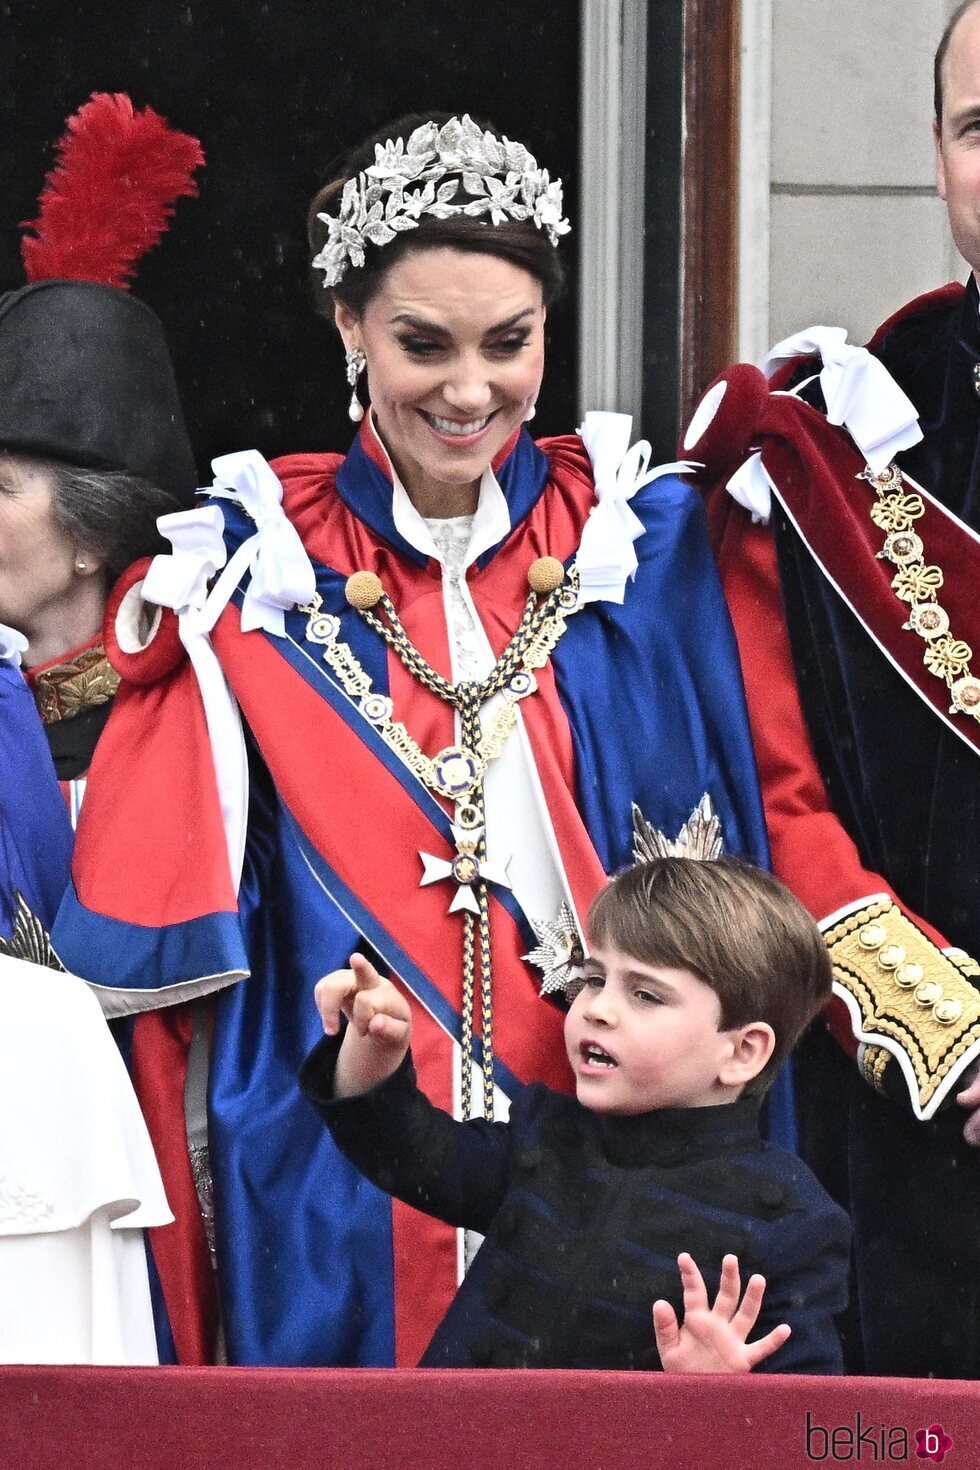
<point x="330" y="994"/>
<point x="365" y="975"/>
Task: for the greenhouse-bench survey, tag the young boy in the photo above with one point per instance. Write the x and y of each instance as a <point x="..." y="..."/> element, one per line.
<point x="701" y="977"/>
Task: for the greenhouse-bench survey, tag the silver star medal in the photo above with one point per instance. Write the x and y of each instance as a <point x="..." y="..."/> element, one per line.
<point x="465" y="868"/>
<point x="30" y="940"/>
<point x="700" y="837"/>
<point x="559" y="954"/>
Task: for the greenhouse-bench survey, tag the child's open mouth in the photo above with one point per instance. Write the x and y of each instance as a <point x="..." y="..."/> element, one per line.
<point x="595" y="1056"/>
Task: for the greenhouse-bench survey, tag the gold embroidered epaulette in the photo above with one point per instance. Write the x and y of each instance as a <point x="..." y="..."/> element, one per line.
<point x="907" y="999"/>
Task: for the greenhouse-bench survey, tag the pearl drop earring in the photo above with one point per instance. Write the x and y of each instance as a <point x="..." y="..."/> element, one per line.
<point x="356" y="363"/>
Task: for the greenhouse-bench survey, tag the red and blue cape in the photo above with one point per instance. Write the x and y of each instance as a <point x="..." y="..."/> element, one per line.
<point x="641" y="703"/>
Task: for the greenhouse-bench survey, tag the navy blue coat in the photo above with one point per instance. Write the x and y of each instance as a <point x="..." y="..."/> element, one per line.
<point x="584" y="1215"/>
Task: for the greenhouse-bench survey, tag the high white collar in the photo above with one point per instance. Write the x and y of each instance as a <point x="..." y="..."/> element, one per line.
<point x="491" y="521"/>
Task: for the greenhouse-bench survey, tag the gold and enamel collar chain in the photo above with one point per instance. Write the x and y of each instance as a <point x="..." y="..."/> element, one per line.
<point x="916" y="582"/>
<point x="456" y="773"/>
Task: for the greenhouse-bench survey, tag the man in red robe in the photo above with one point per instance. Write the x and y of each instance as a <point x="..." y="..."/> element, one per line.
<point x="850" y="549"/>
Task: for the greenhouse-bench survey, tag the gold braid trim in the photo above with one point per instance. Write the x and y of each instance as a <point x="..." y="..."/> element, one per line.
<point x="907" y="991"/>
<point x="873" y="1063"/>
<point x="82" y="683"/>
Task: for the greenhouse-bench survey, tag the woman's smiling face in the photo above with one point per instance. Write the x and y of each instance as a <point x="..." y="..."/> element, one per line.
<point x="454" y="342"/>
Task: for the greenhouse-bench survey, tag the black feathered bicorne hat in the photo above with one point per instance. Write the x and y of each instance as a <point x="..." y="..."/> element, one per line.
<point x="85" y="373"/>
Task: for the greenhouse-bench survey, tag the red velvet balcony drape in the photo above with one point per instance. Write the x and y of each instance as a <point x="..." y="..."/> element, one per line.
<point x="263" y="1419"/>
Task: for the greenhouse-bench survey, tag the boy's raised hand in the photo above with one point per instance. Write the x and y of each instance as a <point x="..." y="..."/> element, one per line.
<point x="380" y="1028"/>
<point x="713" y="1338"/>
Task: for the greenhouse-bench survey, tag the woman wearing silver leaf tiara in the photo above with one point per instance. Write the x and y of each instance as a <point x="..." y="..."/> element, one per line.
<point x="466" y="668"/>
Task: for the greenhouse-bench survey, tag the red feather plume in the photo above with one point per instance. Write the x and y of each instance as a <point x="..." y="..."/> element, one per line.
<point x="111" y="193"/>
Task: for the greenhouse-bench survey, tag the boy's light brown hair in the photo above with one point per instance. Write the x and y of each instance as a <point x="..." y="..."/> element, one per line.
<point x="736" y="927"/>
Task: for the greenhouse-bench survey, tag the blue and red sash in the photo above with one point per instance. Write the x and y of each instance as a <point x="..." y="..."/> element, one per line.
<point x="640" y="702"/>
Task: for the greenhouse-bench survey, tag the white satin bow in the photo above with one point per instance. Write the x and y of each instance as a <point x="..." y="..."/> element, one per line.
<point x="751" y="486"/>
<point x="282" y="574"/>
<point x="859" y="391"/>
<point x="606" y="559"/>
<point x="180" y="580"/>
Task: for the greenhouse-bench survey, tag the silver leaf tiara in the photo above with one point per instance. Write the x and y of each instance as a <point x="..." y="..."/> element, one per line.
<point x="408" y="180"/>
